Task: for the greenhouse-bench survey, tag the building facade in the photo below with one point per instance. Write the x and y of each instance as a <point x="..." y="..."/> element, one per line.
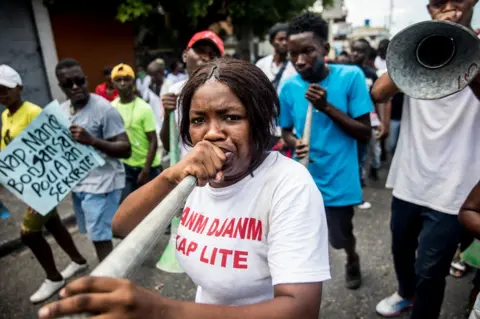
<point x="33" y="38"/>
<point x="20" y="48"/>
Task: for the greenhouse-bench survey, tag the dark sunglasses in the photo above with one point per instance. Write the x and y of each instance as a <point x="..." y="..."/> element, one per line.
<point x="68" y="84"/>
<point x="5" y="92"/>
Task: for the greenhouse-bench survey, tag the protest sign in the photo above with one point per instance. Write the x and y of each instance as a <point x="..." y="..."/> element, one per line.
<point x="43" y="163"/>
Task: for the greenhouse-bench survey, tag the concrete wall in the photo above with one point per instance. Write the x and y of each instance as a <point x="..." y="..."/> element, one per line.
<point x="49" y="50"/>
<point x="20" y="48"/>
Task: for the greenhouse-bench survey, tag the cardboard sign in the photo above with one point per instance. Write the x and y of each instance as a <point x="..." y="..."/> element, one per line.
<point x="42" y="164"/>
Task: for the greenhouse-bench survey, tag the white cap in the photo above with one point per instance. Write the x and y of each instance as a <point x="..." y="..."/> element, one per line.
<point x="9" y="77"/>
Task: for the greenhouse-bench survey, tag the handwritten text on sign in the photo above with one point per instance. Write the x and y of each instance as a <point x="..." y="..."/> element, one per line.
<point x="242" y="228"/>
<point x="42" y="164"/>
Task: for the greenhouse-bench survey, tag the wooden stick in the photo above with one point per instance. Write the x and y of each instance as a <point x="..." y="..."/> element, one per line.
<point x="307" y="132"/>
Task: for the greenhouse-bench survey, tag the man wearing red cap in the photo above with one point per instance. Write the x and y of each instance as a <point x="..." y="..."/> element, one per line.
<point x="202" y="48"/>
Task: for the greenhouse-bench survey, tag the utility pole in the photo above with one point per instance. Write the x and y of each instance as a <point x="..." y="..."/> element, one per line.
<point x="390" y="15"/>
<point x="330" y="14"/>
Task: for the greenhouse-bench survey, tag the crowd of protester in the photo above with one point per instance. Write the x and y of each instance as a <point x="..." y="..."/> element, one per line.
<point x="240" y="127"/>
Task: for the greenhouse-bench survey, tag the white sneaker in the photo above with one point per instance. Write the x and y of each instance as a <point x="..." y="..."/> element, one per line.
<point x="46" y="290"/>
<point x="365" y="205"/>
<point x="72" y="269"/>
<point x="393" y="305"/>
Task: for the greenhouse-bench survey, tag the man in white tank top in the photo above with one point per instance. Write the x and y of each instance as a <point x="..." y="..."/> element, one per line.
<point x="434" y="168"/>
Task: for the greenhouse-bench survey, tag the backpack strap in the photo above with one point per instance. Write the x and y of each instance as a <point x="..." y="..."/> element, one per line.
<point x="279" y="75"/>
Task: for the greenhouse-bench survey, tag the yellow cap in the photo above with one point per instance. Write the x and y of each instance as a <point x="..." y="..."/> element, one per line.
<point x="122" y="70"/>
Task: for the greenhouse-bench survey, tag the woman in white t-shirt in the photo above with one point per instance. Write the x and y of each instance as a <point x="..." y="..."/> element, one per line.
<point x="253" y="234"/>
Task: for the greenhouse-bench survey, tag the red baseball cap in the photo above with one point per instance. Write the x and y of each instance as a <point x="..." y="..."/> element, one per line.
<point x="210" y="36"/>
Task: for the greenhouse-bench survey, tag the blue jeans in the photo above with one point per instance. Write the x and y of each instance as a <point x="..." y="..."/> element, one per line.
<point x="94" y="213"/>
<point x="131" y="175"/>
<point x="362" y="158"/>
<point x="393" y="136"/>
<point x="371" y="151"/>
<point x="424" y="242"/>
<point x="374" y="151"/>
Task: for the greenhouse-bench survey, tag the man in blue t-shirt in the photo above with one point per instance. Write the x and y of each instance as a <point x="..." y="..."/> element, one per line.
<point x="342" y="105"/>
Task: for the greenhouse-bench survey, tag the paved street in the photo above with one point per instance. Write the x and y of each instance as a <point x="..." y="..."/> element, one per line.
<point x="10" y="226"/>
<point x="20" y="275"/>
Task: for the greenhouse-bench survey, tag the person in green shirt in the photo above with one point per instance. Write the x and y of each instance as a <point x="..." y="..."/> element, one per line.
<point x="144" y="164"/>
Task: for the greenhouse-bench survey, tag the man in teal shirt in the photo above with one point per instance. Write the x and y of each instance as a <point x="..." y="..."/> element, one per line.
<point x="144" y="163"/>
<point x="342" y="105"/>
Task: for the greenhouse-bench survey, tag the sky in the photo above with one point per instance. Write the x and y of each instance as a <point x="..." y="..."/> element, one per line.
<point x="406" y="12"/>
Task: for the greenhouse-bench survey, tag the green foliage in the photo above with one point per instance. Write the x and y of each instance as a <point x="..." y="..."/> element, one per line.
<point x="327" y="3"/>
<point x="262" y="14"/>
<point x="245" y="10"/>
<point x="199" y="8"/>
<point x="258" y="14"/>
<point x="131" y="10"/>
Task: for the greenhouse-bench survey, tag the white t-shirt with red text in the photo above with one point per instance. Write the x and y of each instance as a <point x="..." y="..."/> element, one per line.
<point x="237" y="242"/>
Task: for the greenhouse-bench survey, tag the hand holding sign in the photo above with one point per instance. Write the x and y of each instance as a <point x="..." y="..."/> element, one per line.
<point x="80" y="135"/>
<point x="42" y="164"/>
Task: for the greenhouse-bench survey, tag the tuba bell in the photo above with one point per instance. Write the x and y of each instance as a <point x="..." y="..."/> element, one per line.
<point x="433" y="59"/>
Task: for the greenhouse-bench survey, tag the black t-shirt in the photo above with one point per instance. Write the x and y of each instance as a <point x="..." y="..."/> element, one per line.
<point x="371" y="76"/>
<point x="397" y="100"/>
<point x="397" y="105"/>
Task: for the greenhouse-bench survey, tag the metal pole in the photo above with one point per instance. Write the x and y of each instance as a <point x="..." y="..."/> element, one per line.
<point x="134" y="249"/>
<point x="173" y="136"/>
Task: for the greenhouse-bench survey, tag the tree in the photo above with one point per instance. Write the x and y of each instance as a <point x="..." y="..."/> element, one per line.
<point x="238" y="10"/>
<point x="183" y="17"/>
<point x="259" y="14"/>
